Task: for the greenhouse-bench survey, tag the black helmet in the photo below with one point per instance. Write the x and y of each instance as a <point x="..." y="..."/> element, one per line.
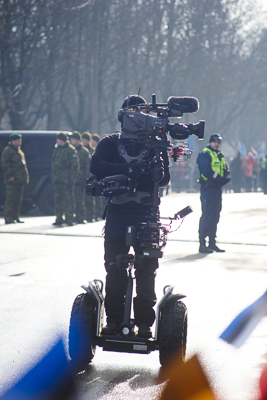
<point x="132" y="100"/>
<point x="215" y="137"/>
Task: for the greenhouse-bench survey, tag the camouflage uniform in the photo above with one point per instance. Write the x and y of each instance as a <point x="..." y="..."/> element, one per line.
<point x="64" y="168"/>
<point x="99" y="203"/>
<point x="80" y="183"/>
<point x="14" y="165"/>
<point x="90" y="200"/>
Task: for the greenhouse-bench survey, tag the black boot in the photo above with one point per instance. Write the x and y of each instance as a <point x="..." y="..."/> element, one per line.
<point x="144" y="331"/>
<point x="110" y="329"/>
<point x="212" y="246"/>
<point x="203" y="248"/>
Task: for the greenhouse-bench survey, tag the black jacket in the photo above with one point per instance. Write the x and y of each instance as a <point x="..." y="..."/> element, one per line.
<point x="107" y="161"/>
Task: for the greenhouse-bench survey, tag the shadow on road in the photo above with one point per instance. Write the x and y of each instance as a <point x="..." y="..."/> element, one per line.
<point x="190" y="257"/>
<point x="99" y="381"/>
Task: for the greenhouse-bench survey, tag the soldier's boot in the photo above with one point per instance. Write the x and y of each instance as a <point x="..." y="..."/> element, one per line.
<point x="203" y="248"/>
<point x="9" y="221"/>
<point x="213" y="246"/>
<point x="58" y="222"/>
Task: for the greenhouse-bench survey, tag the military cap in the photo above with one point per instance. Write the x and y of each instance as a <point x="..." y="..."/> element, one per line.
<point x="86" y="135"/>
<point x="62" y="136"/>
<point x="15" y="136"/>
<point x="96" y="137"/>
<point x="75" y="135"/>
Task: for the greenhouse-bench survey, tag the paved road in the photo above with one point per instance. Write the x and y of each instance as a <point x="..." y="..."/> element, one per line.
<point x="42" y="268"/>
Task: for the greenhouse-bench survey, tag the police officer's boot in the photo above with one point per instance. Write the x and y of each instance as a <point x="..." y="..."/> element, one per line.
<point x="212" y="245"/>
<point x="203" y="248"/>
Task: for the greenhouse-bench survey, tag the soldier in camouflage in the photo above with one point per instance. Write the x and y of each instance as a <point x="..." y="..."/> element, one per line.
<point x="64" y="169"/>
<point x="89" y="200"/>
<point x="16" y="176"/>
<point x="83" y="173"/>
<point x="100" y="204"/>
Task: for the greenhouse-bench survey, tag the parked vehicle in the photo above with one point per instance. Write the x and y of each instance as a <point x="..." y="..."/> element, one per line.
<point x="38" y="147"/>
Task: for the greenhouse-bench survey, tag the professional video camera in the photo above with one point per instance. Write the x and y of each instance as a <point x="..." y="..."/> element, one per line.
<point x="138" y="125"/>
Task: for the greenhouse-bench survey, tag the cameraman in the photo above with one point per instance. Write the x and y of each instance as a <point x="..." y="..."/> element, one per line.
<point x="117" y="154"/>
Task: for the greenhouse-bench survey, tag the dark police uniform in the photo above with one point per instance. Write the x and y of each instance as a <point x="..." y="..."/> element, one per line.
<point x="112" y="157"/>
<point x="214" y="173"/>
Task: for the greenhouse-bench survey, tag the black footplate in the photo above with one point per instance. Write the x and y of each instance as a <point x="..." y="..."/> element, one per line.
<point x="127" y="344"/>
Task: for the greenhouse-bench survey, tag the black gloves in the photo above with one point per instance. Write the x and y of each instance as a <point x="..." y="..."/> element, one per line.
<point x="134" y="169"/>
<point x="159" y="170"/>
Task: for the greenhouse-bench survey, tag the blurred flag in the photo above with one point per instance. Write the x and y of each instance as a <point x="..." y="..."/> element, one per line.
<point x="263" y="384"/>
<point x="242" y="326"/>
<point x="187" y="381"/>
<point x="50" y="379"/>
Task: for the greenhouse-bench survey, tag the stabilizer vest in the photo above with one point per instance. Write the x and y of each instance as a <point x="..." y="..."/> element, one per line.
<point x="137" y="196"/>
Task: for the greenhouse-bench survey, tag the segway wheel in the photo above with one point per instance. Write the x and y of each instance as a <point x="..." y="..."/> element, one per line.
<point x="173" y="331"/>
<point x="82" y="330"/>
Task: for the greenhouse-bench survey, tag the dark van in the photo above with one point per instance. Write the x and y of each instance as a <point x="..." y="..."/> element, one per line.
<point x="38" y="147"/>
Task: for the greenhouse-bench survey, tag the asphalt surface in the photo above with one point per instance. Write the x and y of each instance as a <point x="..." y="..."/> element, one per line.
<point x="43" y="267"/>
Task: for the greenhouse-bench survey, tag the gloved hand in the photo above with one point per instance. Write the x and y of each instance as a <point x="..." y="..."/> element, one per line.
<point x="159" y="171"/>
<point x="70" y="184"/>
<point x="134" y="169"/>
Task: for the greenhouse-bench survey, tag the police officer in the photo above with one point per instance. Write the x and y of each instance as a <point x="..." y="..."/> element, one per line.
<point x="214" y="173"/>
<point x="16" y="176"/>
<point x="64" y="168"/>
<point x="83" y="173"/>
<point x="114" y="155"/>
<point x="90" y="202"/>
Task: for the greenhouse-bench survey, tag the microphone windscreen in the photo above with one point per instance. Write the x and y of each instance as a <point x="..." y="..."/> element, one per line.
<point x="183" y="104"/>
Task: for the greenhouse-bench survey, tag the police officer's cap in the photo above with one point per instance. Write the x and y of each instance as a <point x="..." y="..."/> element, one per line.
<point x="86" y="135"/>
<point x="62" y="136"/>
<point x="215" y="137"/>
<point x="132" y="100"/>
<point x="75" y="135"/>
<point x="15" y="136"/>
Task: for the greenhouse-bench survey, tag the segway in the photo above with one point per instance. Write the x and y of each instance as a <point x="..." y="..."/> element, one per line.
<point x="87" y="319"/>
<point x="87" y="316"/>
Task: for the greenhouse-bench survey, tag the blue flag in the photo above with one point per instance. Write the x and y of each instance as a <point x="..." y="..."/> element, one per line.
<point x="50" y="379"/>
<point x="242" y="326"/>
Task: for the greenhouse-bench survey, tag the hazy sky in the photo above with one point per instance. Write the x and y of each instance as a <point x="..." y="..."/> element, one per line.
<point x="262" y="3"/>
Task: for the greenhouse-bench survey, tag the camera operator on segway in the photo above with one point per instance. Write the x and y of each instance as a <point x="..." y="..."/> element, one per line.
<point x="128" y="167"/>
<point x="120" y="154"/>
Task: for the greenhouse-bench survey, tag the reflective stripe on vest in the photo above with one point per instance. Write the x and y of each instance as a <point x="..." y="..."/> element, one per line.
<point x="217" y="165"/>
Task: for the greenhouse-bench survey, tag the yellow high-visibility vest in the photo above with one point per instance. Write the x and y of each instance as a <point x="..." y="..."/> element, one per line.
<point x="217" y="164"/>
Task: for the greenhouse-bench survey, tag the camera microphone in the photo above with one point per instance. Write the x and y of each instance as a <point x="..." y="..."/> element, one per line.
<point x="183" y="104"/>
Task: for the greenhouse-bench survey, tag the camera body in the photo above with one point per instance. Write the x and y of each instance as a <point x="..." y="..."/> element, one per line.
<point x="138" y="124"/>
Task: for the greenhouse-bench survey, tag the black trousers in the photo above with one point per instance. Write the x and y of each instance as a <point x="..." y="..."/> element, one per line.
<point x="116" y="279"/>
<point x="211" y="205"/>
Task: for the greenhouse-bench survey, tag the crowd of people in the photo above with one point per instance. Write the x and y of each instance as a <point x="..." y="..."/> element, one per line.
<point x="70" y="169"/>
<point x="248" y="173"/>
